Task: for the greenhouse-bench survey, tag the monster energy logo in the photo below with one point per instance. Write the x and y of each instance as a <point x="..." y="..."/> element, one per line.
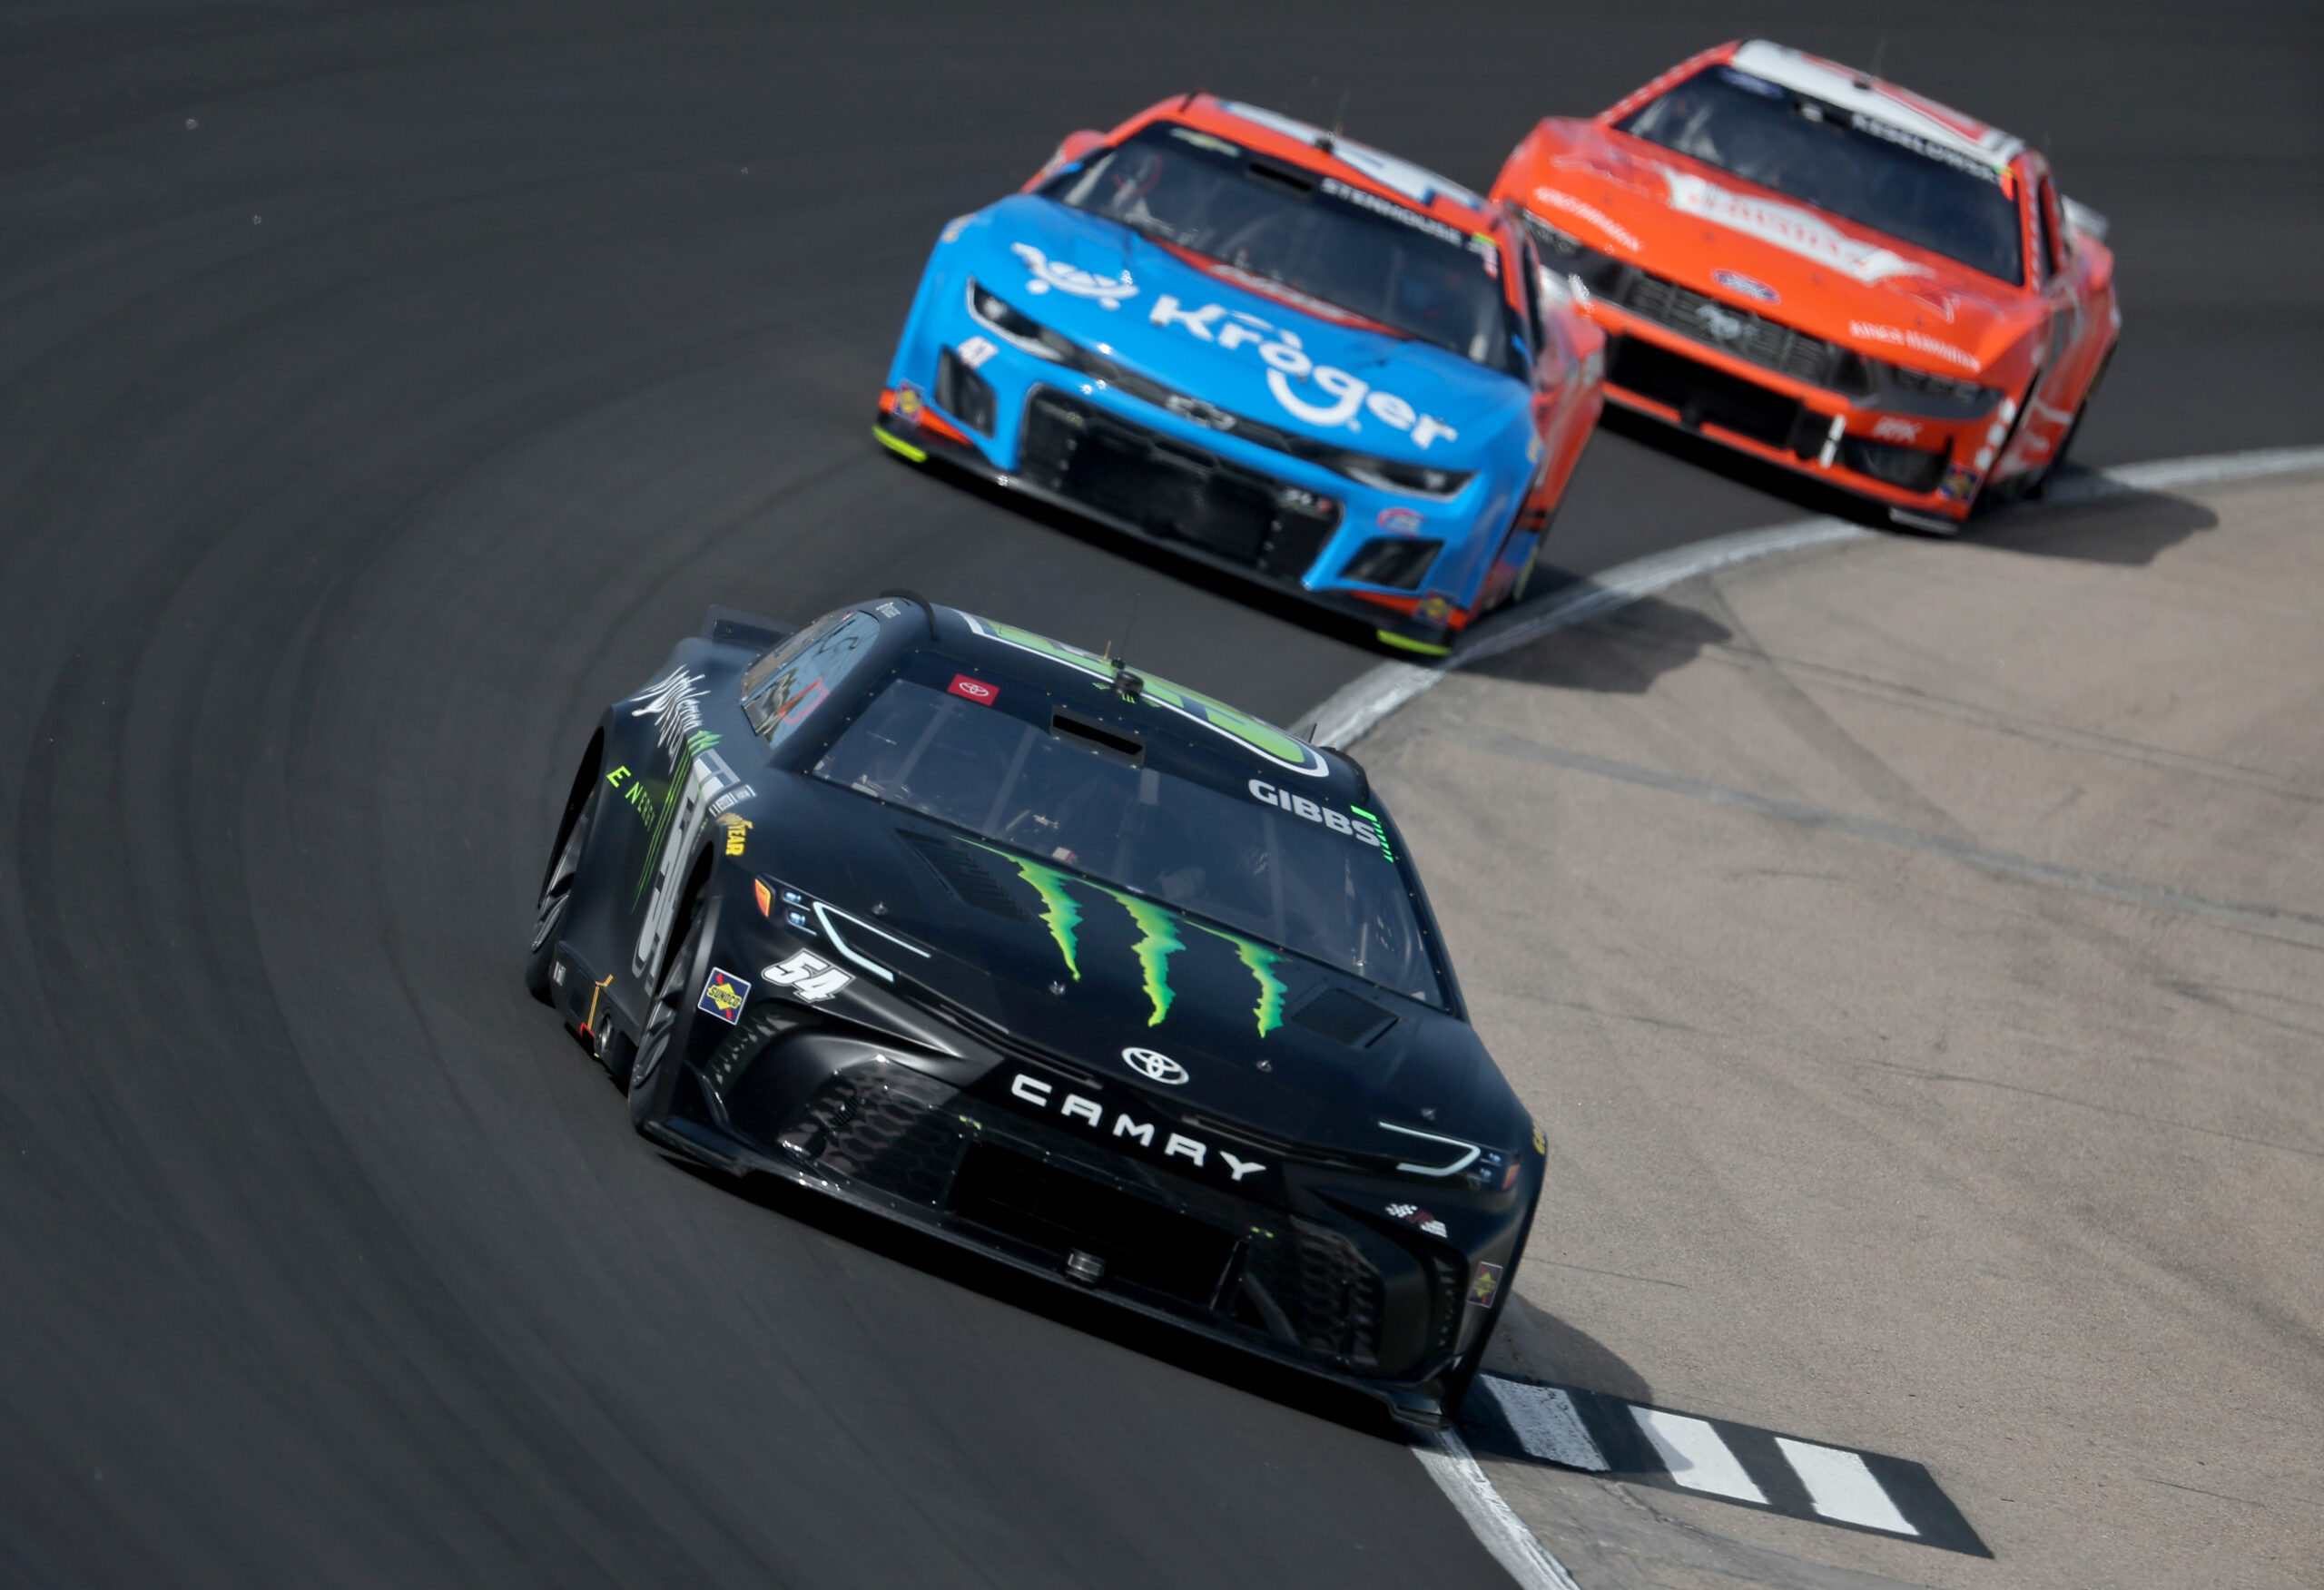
<point x="1158" y="938"/>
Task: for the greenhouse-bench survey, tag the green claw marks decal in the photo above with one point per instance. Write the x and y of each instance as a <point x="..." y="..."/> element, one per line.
<point x="1261" y="960"/>
<point x="1153" y="951"/>
<point x="1058" y="908"/>
<point x="1251" y="734"/>
<point x="1158" y="938"/>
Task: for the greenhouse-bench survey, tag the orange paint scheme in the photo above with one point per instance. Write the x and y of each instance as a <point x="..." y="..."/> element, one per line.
<point x="1778" y="329"/>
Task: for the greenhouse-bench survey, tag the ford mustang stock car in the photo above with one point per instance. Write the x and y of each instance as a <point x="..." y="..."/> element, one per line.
<point x="1831" y="274"/>
<point x="1072" y="966"/>
<point x="1272" y="348"/>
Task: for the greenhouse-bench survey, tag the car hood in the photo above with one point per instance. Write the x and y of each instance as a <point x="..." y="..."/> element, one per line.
<point x="1233" y="340"/>
<point x="1083" y="972"/>
<point x="1835" y="279"/>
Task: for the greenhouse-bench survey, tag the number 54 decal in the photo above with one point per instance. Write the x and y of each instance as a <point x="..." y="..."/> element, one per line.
<point x="809" y="976"/>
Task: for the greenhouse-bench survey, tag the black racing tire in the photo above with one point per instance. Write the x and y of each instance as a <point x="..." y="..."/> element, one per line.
<point x="2073" y="429"/>
<point x="556" y="900"/>
<point x="644" y="1070"/>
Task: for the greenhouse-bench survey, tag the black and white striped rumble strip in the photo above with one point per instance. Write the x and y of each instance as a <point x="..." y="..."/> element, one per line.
<point x="1516" y="1420"/>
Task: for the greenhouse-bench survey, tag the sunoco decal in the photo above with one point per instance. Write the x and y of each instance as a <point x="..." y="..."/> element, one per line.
<point x="1246" y="731"/>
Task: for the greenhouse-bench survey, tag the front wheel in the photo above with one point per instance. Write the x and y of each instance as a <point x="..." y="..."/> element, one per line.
<point x="556" y="889"/>
<point x="645" y="1072"/>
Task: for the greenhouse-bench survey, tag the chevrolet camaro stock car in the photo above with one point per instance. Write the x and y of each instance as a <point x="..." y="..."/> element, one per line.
<point x="1829" y="273"/>
<point x="1271" y="347"/>
<point x="1075" y="967"/>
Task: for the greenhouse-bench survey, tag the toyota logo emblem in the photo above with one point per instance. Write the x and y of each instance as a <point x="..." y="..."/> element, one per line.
<point x="1155" y="1067"/>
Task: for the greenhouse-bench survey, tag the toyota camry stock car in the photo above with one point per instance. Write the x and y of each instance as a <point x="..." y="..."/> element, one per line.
<point x="1830" y="273"/>
<point x="1276" y="350"/>
<point x="1059" y="962"/>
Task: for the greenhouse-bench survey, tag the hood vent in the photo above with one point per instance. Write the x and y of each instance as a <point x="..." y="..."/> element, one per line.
<point x="1343" y="1017"/>
<point x="964" y="875"/>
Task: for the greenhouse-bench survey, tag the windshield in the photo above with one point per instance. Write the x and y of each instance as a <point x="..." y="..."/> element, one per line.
<point x="1316" y="236"/>
<point x="1854" y="166"/>
<point x="1009" y="762"/>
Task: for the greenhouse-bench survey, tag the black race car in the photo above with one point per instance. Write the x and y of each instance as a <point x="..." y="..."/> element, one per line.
<point x="1070" y="965"/>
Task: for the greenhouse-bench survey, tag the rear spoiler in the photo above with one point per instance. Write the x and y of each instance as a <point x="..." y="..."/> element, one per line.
<point x="2083" y="219"/>
<point x="726" y="627"/>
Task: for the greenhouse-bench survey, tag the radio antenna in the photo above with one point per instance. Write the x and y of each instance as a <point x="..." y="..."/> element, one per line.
<point x="1339" y="117"/>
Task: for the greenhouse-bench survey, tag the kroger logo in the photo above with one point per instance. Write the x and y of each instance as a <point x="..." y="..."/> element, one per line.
<point x="1287" y="362"/>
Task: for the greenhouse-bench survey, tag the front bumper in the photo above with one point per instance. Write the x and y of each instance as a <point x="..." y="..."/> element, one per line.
<point x="1928" y="470"/>
<point x="1178" y="472"/>
<point x="1302" y="1270"/>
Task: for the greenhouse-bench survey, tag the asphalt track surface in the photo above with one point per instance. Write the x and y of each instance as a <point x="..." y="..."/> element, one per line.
<point x="381" y="389"/>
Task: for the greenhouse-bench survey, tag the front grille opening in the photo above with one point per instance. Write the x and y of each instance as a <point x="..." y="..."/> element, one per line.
<point x="963" y="394"/>
<point x="1398" y="562"/>
<point x="1145" y="1247"/>
<point x="1913" y="468"/>
<point x="1730" y="328"/>
<point x="1701" y="395"/>
<point x="1171" y="490"/>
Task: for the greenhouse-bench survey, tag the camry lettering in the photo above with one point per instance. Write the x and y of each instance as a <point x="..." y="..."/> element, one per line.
<point x="1288" y="361"/>
<point x="1044" y="1095"/>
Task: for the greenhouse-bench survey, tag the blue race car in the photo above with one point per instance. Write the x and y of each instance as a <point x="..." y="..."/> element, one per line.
<point x="1268" y="348"/>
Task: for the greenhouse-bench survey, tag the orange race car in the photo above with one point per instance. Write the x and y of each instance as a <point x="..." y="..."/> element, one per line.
<point x="1830" y="273"/>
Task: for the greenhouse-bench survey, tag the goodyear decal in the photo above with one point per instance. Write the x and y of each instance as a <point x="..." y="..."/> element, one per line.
<point x="1249" y="733"/>
<point x="1158" y="938"/>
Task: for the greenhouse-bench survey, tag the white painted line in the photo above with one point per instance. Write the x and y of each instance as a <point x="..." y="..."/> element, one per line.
<point x="1546" y="1424"/>
<point x="1502" y="1532"/>
<point x="1695" y="1455"/>
<point x="1842" y="1488"/>
<point x="1358" y="706"/>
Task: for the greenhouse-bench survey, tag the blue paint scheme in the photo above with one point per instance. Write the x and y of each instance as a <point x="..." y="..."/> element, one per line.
<point x="1484" y="417"/>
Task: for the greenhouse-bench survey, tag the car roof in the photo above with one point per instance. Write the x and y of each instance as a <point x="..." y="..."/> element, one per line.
<point x="1301" y="143"/>
<point x="1874" y="99"/>
<point x="1201" y="723"/>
